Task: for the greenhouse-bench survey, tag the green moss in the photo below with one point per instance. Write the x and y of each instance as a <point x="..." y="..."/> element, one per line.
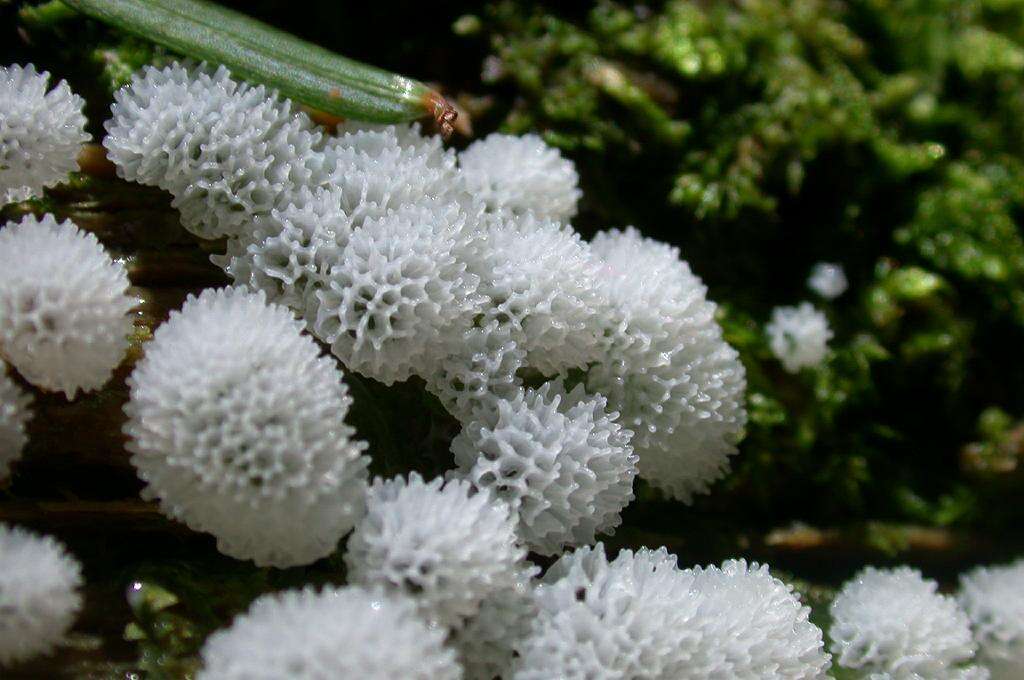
<point x="966" y="226"/>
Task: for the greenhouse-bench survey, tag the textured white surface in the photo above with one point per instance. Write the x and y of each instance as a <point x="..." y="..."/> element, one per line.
<point x="40" y="132"/>
<point x="398" y="293"/>
<point x="39" y="594"/>
<point x="540" y="280"/>
<point x="667" y="369"/>
<point x="894" y="623"/>
<point x="64" y="306"/>
<point x="561" y="461"/>
<point x="479" y="368"/>
<point x="521" y="174"/>
<point x="442" y="543"/>
<point x="486" y="643"/>
<point x="236" y="424"/>
<point x="334" y="634"/>
<point x="993" y="598"/>
<point x="640" y="616"/>
<point x="15" y="413"/>
<point x="228" y="152"/>
<point x="378" y="168"/>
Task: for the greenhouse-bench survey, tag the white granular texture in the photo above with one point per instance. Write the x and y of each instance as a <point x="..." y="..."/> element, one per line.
<point x="337" y="633"/>
<point x="541" y="280"/>
<point x="561" y="461"/>
<point x="64" y="305"/>
<point x="39" y="594"/>
<point x="14" y="416"/>
<point x="486" y="643"/>
<point x="228" y="152"/>
<point x="377" y="169"/>
<point x="443" y="544"/>
<point x="289" y="257"/>
<point x="479" y="369"/>
<point x="362" y="174"/>
<point x="666" y="367"/>
<point x="798" y="336"/>
<point x="827" y="280"/>
<point x="237" y="427"/>
<point x="640" y="616"/>
<point x="757" y="623"/>
<point x="521" y="174"/>
<point x="893" y="623"/>
<point x="399" y="293"/>
<point x="40" y="132"/>
<point x="993" y="598"/>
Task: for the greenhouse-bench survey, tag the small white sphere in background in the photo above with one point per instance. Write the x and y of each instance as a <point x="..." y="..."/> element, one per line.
<point x="14" y="416"/>
<point x="236" y="424"/>
<point x="40" y="132"/>
<point x="521" y="174"/>
<point x="827" y="280"/>
<point x="893" y="623"/>
<point x="64" y="305"/>
<point x="39" y="594"/>
<point x="798" y="336"/>
<point x="993" y="598"/>
<point x="337" y="633"/>
<point x="444" y="544"/>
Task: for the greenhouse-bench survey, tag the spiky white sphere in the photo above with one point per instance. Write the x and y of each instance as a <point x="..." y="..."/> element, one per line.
<point x="639" y="615"/>
<point x="798" y="336"/>
<point x="445" y="544"/>
<point x="479" y="369"/>
<point x="521" y="174"/>
<point x="289" y="256"/>
<point x="39" y="594"/>
<point x="236" y="426"/>
<point x="362" y="174"/>
<point x="541" y="280"/>
<point x="335" y="633"/>
<point x="384" y="167"/>
<point x="64" y="305"/>
<point x="993" y="598"/>
<point x="561" y="461"/>
<point x="399" y="291"/>
<point x="228" y="152"/>
<point x="14" y="416"/>
<point x="486" y="643"/>
<point x="40" y="132"/>
<point x="758" y="620"/>
<point x="828" y="280"/>
<point x="894" y="623"/>
<point x="667" y="369"/>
